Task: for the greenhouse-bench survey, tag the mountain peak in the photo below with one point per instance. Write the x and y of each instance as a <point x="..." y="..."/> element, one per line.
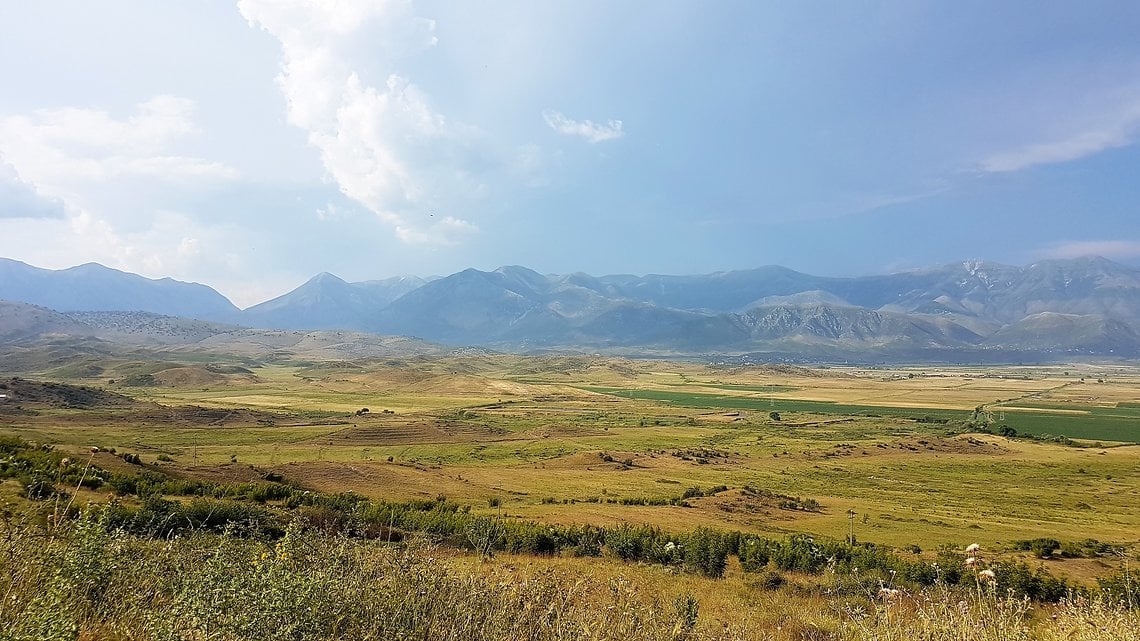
<point x="325" y="278"/>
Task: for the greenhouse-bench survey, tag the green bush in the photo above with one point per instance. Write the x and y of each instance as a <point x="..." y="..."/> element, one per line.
<point x="706" y="552"/>
<point x="754" y="553"/>
<point x="1038" y="584"/>
<point x="1041" y="548"/>
<point x="1121" y="588"/>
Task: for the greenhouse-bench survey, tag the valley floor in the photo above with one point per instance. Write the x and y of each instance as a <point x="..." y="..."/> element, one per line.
<point x="916" y="459"/>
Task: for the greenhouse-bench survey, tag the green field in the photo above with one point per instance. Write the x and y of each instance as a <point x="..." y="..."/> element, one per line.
<point x="718" y="401"/>
<point x="1120" y="424"/>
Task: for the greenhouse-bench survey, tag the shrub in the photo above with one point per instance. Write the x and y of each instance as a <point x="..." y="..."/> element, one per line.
<point x="1037" y="584"/>
<point x="1121" y="588"/>
<point x="754" y="553"/>
<point x="706" y="552"/>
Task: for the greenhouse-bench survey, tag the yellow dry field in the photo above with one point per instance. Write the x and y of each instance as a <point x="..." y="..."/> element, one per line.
<point x="552" y="441"/>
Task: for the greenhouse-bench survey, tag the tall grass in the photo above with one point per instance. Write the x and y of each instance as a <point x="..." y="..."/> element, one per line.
<point x="82" y="580"/>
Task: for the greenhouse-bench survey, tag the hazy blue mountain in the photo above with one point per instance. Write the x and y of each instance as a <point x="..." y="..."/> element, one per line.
<point x="810" y="297"/>
<point x="632" y="324"/>
<point x="1082" y="334"/>
<point x="852" y="326"/>
<point x="1087" y="306"/>
<point x="473" y="306"/>
<point x="327" y="302"/>
<point x="93" y="287"/>
<point x="720" y="292"/>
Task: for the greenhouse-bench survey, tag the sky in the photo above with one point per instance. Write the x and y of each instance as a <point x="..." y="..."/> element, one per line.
<point x="252" y="144"/>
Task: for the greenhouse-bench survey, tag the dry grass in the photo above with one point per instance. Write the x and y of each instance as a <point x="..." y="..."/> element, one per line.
<point x="81" y="581"/>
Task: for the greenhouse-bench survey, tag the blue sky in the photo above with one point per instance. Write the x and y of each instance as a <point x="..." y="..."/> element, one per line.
<point x="249" y="145"/>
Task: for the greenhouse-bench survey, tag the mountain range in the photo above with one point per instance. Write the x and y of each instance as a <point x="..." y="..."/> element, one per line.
<point x="961" y="311"/>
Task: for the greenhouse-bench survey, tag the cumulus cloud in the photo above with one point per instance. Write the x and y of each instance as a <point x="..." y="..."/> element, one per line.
<point x="382" y="142"/>
<point x="54" y="149"/>
<point x="172" y="244"/>
<point x="1113" y="249"/>
<point x="18" y="199"/>
<point x="95" y="186"/>
<point x="1118" y="127"/>
<point x="588" y="129"/>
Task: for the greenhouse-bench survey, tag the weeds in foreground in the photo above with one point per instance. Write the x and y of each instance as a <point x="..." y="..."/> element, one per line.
<point x="81" y="580"/>
<point x="983" y="614"/>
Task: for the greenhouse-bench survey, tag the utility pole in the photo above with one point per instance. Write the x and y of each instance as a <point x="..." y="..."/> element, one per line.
<point x="851" y="527"/>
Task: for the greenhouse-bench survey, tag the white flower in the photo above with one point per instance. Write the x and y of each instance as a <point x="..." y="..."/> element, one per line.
<point x="988" y="575"/>
<point x="972" y="548"/>
<point x="970" y="562"/>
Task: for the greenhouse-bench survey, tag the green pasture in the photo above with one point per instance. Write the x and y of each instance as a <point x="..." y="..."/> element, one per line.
<point x="1094" y="423"/>
<point x="729" y="402"/>
<point x="1119" y="424"/>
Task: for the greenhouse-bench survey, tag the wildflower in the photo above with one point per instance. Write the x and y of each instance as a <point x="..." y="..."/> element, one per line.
<point x="94" y="450"/>
<point x="971" y="562"/>
<point x="972" y="548"/>
<point x="65" y="462"/>
<point x="987" y="574"/>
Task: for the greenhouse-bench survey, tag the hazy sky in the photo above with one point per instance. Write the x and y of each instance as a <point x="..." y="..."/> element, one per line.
<point x="250" y="145"/>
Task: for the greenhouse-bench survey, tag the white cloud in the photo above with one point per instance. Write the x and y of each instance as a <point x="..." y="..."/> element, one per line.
<point x="19" y="199"/>
<point x="56" y="149"/>
<point x="330" y="212"/>
<point x="385" y="146"/>
<point x="1113" y="249"/>
<point x="1116" y="127"/>
<point x="115" y="189"/>
<point x="588" y="129"/>
<point x="448" y="231"/>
